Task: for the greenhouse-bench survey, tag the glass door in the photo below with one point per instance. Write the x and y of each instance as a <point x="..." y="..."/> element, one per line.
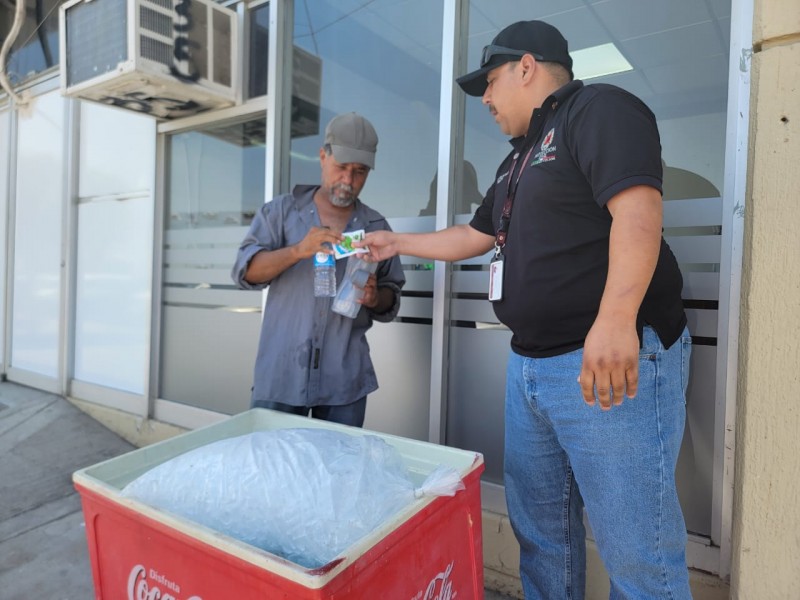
<point x="209" y="328"/>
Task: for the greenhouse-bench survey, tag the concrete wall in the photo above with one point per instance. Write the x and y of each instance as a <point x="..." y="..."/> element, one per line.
<point x="766" y="523"/>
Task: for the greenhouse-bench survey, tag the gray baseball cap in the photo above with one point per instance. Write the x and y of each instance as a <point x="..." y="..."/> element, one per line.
<point x="352" y="139"/>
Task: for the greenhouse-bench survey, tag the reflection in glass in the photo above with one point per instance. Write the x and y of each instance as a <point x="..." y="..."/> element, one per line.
<point x="306" y="75"/>
<point x="258" y="52"/>
<point x="36" y="47"/>
<point x="467" y="198"/>
<point x="383" y="60"/>
<point x="216" y="175"/>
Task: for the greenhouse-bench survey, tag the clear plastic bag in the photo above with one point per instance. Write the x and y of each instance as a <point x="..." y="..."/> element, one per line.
<point x="351" y="289"/>
<point x="304" y="494"/>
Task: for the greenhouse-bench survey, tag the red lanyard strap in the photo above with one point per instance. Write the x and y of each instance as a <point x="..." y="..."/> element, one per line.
<point x="511" y="192"/>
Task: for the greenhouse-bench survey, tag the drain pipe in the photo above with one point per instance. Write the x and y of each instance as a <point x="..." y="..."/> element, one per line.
<point x="19" y="18"/>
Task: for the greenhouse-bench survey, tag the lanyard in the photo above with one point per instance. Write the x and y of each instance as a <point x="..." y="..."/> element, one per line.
<point x="511" y="192"/>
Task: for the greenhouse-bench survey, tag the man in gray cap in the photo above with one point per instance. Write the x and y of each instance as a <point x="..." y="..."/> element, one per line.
<point x="592" y="295"/>
<point x="311" y="359"/>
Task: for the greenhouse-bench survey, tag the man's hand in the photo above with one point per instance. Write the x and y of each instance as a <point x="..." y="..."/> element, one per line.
<point x="611" y="350"/>
<point x="370" y="297"/>
<point x="268" y="264"/>
<point x="454" y="243"/>
<point x="381" y="245"/>
<point x="318" y="239"/>
<point x="610" y="363"/>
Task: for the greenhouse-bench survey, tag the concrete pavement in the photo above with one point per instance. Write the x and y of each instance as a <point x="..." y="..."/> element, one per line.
<point x="43" y="549"/>
<point x="43" y="440"/>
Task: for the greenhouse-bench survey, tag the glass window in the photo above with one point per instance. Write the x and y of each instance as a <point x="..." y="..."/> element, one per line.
<point x="215" y="183"/>
<point x="381" y="59"/>
<point x="36" y="47"/>
<point x="674" y="57"/>
<point x="305" y="75"/>
<point x="258" y="51"/>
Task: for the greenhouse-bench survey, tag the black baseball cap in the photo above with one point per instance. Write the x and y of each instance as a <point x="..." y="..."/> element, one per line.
<point x="537" y="38"/>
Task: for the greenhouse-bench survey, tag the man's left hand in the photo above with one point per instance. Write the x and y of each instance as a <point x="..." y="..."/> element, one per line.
<point x="610" y="363"/>
<point x="370" y="297"/>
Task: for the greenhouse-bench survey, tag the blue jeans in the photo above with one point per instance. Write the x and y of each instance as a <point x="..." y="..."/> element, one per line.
<point x="346" y="414"/>
<point x="561" y="454"/>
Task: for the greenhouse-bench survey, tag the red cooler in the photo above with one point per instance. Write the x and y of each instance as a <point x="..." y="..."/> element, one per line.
<point x="429" y="551"/>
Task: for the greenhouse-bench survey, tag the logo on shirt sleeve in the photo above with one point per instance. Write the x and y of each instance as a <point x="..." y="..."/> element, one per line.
<point x="547" y="151"/>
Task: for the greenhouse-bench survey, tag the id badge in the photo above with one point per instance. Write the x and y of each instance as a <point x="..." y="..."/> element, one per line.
<point x="496" y="280"/>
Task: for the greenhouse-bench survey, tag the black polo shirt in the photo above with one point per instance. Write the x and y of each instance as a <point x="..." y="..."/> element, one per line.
<point x="585" y="145"/>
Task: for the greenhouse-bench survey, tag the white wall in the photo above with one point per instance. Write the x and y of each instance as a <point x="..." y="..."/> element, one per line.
<point x="37" y="272"/>
<point x="115" y="247"/>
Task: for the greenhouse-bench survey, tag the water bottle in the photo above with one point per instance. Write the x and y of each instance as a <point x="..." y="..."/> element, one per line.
<point x="351" y="289"/>
<point x="324" y="275"/>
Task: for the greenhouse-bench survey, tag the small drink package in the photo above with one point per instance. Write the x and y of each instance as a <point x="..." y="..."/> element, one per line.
<point x="345" y="247"/>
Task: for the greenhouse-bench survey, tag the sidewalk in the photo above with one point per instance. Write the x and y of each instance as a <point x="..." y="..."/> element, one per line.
<point x="43" y="440"/>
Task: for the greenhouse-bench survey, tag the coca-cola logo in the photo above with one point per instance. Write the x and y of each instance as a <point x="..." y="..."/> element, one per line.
<point x="440" y="587"/>
<point x="140" y="587"/>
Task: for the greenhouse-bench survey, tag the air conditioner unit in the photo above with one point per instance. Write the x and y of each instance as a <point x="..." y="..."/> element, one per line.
<point x="166" y="58"/>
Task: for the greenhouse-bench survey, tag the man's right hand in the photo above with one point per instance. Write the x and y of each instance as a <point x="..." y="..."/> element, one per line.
<point x="318" y="239"/>
<point x="454" y="243"/>
<point x="266" y="265"/>
<point x="381" y="245"/>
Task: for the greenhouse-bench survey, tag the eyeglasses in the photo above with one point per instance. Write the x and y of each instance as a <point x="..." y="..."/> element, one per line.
<point x="491" y="51"/>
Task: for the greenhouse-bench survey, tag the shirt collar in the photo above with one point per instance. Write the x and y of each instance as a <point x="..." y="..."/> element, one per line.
<point x="304" y="194"/>
<point x="304" y="197"/>
<point x="550" y="103"/>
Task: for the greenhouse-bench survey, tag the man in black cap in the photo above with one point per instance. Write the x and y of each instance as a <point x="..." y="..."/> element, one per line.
<point x="311" y="359"/>
<point x="592" y="295"/>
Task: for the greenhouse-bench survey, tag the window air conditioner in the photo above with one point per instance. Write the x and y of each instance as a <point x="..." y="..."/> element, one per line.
<point x="166" y="58"/>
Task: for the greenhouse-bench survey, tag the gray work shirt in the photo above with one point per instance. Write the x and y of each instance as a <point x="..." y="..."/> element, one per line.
<point x="307" y="354"/>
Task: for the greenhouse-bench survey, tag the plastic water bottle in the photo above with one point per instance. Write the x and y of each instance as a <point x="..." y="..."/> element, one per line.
<point x="351" y="289"/>
<point x="324" y="275"/>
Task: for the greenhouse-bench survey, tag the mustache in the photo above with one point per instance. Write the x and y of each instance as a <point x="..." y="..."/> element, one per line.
<point x="342" y="187"/>
<point x="342" y="195"/>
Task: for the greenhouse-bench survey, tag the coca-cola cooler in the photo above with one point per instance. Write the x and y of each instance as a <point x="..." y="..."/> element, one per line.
<point x="430" y="550"/>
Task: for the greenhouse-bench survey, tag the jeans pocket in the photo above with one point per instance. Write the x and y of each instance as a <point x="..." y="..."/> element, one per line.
<point x="686" y="356"/>
<point x="651" y="345"/>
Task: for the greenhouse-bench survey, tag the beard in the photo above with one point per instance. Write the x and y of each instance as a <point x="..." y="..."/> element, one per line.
<point x="341" y="195"/>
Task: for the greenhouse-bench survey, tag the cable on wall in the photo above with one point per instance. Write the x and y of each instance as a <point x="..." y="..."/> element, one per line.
<point x="19" y="18"/>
